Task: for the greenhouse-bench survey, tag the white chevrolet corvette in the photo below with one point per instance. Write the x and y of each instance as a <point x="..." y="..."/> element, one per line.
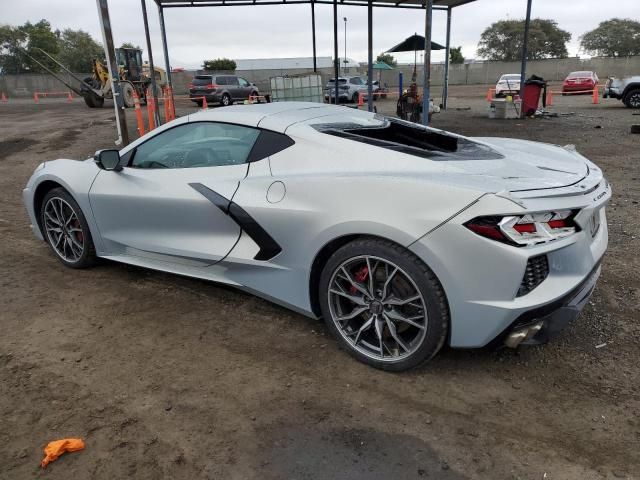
<point x="403" y="238"/>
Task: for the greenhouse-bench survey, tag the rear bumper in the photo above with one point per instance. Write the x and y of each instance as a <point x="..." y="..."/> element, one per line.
<point x="578" y="88"/>
<point x="539" y="325"/>
<point x="210" y="96"/>
<point x="481" y="277"/>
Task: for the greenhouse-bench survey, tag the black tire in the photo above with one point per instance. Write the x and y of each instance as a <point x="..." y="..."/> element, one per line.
<point x="127" y="94"/>
<point x="424" y="279"/>
<point x="632" y="98"/>
<point x="355" y="97"/>
<point x="88" y="257"/>
<point x="198" y="102"/>
<point x="256" y="94"/>
<point x="225" y="101"/>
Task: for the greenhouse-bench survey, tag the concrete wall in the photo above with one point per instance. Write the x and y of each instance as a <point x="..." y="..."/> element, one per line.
<point x="467" y="74"/>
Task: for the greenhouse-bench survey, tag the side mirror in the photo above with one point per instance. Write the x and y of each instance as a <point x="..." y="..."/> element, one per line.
<point x="108" y="159"/>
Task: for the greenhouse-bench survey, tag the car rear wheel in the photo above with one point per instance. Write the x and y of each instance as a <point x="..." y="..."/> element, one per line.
<point x="255" y="95"/>
<point x="66" y="230"/>
<point x="632" y="99"/>
<point x="225" y="101"/>
<point x="384" y="305"/>
<point x="355" y="97"/>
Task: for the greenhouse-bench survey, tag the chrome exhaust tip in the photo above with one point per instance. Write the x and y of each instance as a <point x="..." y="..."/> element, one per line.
<point x="519" y="335"/>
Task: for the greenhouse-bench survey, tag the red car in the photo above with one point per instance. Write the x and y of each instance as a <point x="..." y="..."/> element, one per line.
<point x="580" y="82"/>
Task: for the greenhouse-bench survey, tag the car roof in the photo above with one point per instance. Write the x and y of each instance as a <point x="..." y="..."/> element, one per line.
<point x="276" y="116"/>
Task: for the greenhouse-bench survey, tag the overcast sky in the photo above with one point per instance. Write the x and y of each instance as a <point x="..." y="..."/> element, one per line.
<point x="285" y="31"/>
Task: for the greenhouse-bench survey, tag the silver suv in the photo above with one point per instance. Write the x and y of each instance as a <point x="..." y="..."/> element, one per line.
<point x="625" y="89"/>
<point x="348" y="89"/>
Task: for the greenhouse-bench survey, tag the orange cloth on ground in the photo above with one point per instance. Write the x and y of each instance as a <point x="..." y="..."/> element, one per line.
<point x="56" y="448"/>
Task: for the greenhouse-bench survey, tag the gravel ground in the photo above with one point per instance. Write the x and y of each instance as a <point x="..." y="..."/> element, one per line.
<point x="168" y="377"/>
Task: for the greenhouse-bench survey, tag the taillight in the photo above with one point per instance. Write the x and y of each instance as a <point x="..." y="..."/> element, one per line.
<point x="190" y="85"/>
<point x="528" y="229"/>
<point x="212" y="86"/>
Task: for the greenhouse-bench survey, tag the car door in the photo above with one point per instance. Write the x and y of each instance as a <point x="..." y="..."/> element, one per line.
<point x="245" y="88"/>
<point x="233" y="87"/>
<point x="169" y="202"/>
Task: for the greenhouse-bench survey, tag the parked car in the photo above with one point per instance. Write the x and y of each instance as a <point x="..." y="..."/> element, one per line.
<point x="508" y="84"/>
<point x="378" y="90"/>
<point x="223" y="89"/>
<point x="403" y="238"/>
<point x="584" y="81"/>
<point x="626" y="89"/>
<point x="348" y="89"/>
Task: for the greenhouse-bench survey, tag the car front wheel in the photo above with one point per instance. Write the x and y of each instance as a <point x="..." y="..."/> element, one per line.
<point x="66" y="230"/>
<point x="632" y="99"/>
<point x="383" y="304"/>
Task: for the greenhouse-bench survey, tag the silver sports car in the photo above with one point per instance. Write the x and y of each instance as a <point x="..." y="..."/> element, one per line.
<point x="403" y="238"/>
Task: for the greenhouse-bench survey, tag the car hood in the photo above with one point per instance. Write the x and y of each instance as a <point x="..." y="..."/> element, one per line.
<point x="527" y="165"/>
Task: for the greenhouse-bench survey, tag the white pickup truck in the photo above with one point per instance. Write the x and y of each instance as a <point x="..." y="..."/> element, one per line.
<point x="625" y="89"/>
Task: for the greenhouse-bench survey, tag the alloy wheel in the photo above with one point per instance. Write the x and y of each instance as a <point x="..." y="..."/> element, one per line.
<point x="377" y="308"/>
<point x="63" y="229"/>
<point x="634" y="100"/>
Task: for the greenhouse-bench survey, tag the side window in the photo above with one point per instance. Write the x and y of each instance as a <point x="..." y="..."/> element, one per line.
<point x="198" y="144"/>
<point x="220" y="81"/>
<point x="356" y="81"/>
<point x="232" y="80"/>
<point x="243" y="82"/>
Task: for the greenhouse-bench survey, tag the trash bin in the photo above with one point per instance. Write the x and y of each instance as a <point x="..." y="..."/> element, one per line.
<point x="531" y="93"/>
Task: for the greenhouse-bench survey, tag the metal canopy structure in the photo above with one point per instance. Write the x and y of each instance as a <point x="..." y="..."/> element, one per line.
<point x="427" y="5"/>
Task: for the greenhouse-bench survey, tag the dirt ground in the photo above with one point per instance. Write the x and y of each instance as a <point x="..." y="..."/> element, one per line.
<point x="168" y="377"/>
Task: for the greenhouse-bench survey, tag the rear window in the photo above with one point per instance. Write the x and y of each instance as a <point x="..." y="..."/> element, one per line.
<point x="580" y="75"/>
<point x="202" y="80"/>
<point x="341" y="81"/>
<point x="413" y="139"/>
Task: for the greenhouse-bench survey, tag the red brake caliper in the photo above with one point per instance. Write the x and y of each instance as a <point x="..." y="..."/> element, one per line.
<point x="361" y="276"/>
<point x="76" y="224"/>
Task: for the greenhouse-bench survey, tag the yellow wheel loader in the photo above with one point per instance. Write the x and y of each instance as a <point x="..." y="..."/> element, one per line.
<point x="132" y="74"/>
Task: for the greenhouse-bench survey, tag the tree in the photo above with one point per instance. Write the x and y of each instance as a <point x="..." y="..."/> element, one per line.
<point x="12" y="40"/>
<point x="219" y="64"/>
<point x="78" y="49"/>
<point x="613" y="38"/>
<point x="388" y="59"/>
<point x="503" y="40"/>
<point x="455" y="55"/>
<point x="130" y="45"/>
<point x="40" y="36"/>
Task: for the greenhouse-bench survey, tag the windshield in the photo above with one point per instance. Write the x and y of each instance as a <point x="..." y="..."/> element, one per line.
<point x="510" y="78"/>
<point x="341" y="81"/>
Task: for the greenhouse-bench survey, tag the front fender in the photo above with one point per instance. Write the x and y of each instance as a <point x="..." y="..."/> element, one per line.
<point x="74" y="176"/>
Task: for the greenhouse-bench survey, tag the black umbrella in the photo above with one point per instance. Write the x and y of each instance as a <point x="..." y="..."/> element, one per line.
<point x="412" y="44"/>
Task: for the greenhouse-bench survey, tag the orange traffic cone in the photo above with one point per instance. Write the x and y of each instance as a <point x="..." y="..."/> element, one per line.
<point x="36" y="99"/>
<point x="596" y="97"/>
<point x="489" y="94"/>
<point x="69" y="97"/>
<point x="151" y="109"/>
<point x="139" y="119"/>
<point x="4" y="98"/>
<point x="360" y="100"/>
<point x="204" y="103"/>
<point x="549" y="100"/>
